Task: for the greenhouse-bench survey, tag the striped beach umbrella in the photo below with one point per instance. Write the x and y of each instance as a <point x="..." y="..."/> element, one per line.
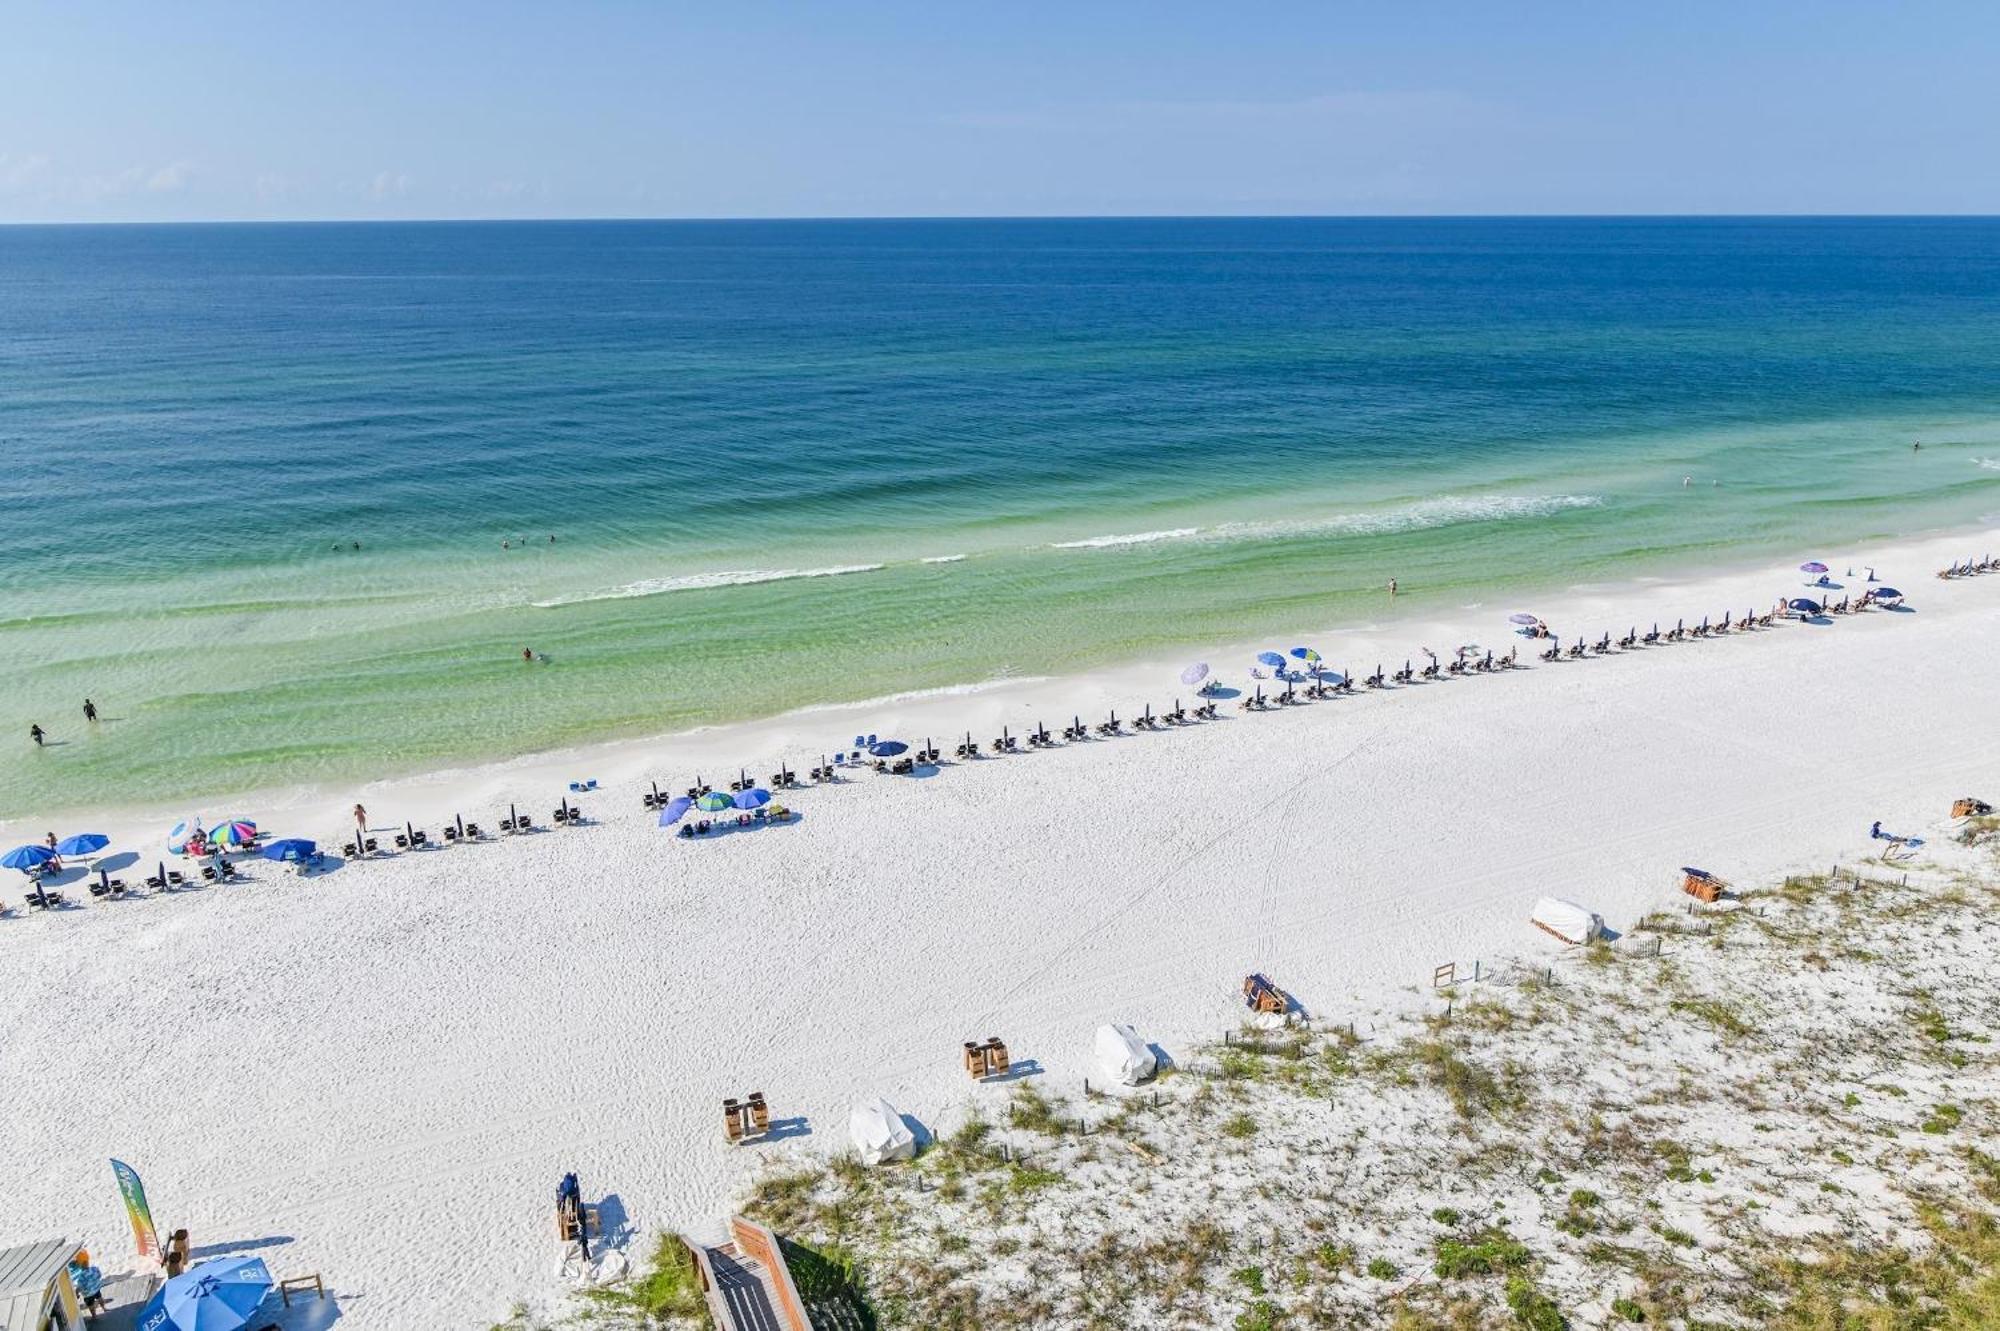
<point x="184" y="832"/>
<point x="235" y="832"/>
<point x="714" y="802"/>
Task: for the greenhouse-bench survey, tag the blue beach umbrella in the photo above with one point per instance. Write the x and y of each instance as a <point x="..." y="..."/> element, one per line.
<point x="83" y="843"/>
<point x="1888" y="592"/>
<point x="1271" y="659"/>
<point x="887" y="748"/>
<point x="290" y="848"/>
<point x="1306" y="654"/>
<point x="1810" y="607"/>
<point x="25" y="858"/>
<point x="714" y="802"/>
<point x="212" y="1296"/>
<point x="674" y="810"/>
<point x="755" y="798"/>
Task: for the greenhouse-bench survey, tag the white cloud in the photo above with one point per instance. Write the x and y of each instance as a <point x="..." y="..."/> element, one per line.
<point x="169" y="177"/>
<point x="20" y="173"/>
<point x="387" y="183"/>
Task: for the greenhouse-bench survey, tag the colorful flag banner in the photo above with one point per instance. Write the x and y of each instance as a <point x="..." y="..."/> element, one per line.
<point x="144" y="1236"/>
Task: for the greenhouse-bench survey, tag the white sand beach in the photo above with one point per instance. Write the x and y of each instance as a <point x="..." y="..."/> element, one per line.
<point x="379" y="1073"/>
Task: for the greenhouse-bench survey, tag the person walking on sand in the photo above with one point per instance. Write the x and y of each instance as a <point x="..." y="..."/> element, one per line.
<point x="89" y="710"/>
<point x="55" y="860"/>
<point x="35" y="734"/>
<point x="360" y="820"/>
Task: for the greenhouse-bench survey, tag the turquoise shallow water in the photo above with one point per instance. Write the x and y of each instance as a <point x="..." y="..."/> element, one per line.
<point x="1123" y="435"/>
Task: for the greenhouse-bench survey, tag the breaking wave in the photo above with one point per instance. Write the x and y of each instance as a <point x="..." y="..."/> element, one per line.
<point x="1135" y="538"/>
<point x="1420" y="516"/>
<point x="701" y="581"/>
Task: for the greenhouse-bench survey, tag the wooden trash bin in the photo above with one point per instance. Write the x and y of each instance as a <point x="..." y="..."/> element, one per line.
<point x="986" y="1060"/>
<point x="760" y="1114"/>
<point x="732" y="1120"/>
<point x="1701" y="885"/>
<point x="1260" y="995"/>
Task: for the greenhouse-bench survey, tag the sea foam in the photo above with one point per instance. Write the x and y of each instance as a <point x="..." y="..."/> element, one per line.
<point x="1134" y="538"/>
<point x="701" y="581"/>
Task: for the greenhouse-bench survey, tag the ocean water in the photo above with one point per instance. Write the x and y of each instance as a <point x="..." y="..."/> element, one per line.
<point x="797" y="463"/>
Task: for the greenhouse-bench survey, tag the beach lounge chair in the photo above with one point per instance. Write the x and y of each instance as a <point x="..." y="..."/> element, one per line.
<point x="1260" y="995"/>
<point x="1969" y="807"/>
<point x="174" y="878"/>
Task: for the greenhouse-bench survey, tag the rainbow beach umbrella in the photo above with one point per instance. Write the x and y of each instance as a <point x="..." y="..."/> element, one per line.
<point x="236" y="832"/>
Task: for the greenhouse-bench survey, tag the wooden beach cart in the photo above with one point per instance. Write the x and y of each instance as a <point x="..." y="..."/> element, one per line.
<point x="1260" y="995"/>
<point x="986" y="1060"/>
<point x="1702" y="885"/>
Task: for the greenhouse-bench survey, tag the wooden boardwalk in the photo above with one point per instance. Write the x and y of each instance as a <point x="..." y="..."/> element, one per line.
<point x="746" y="1282"/>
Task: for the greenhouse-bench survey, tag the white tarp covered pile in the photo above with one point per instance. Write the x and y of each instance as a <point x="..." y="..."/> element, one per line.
<point x="1122" y="1056"/>
<point x="1566" y="920"/>
<point x="879" y="1133"/>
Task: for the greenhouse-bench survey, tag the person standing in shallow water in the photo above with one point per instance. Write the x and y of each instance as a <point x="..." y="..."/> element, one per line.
<point x="89" y="710"/>
<point x="35" y="734"/>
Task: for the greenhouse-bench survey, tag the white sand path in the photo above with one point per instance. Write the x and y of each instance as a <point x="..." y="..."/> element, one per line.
<point x="380" y="1073"/>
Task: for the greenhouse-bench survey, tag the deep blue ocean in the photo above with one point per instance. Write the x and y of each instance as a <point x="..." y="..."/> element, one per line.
<point x="800" y="462"/>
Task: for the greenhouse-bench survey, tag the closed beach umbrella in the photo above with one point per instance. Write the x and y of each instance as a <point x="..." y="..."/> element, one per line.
<point x="221" y="1295"/>
<point x="675" y="810"/>
<point x="83" y="843"/>
<point x="1812" y="566"/>
<point x="714" y="802"/>
<point x="755" y="798"/>
<point x="289" y="848"/>
<point x="1271" y="659"/>
<point x="184" y="832"/>
<point x="235" y="832"/>
<point x="887" y="748"/>
<point x="25" y="858"/>
<point x="1195" y="673"/>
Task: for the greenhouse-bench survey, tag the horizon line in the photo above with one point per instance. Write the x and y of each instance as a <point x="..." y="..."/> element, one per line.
<point x="6" y="223"/>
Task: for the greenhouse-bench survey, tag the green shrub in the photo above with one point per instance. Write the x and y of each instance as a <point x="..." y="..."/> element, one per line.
<point x="1532" y="1308"/>
<point x="1490" y="1252"/>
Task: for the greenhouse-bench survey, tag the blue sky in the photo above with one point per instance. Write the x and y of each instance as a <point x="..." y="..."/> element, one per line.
<point x="195" y="110"/>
